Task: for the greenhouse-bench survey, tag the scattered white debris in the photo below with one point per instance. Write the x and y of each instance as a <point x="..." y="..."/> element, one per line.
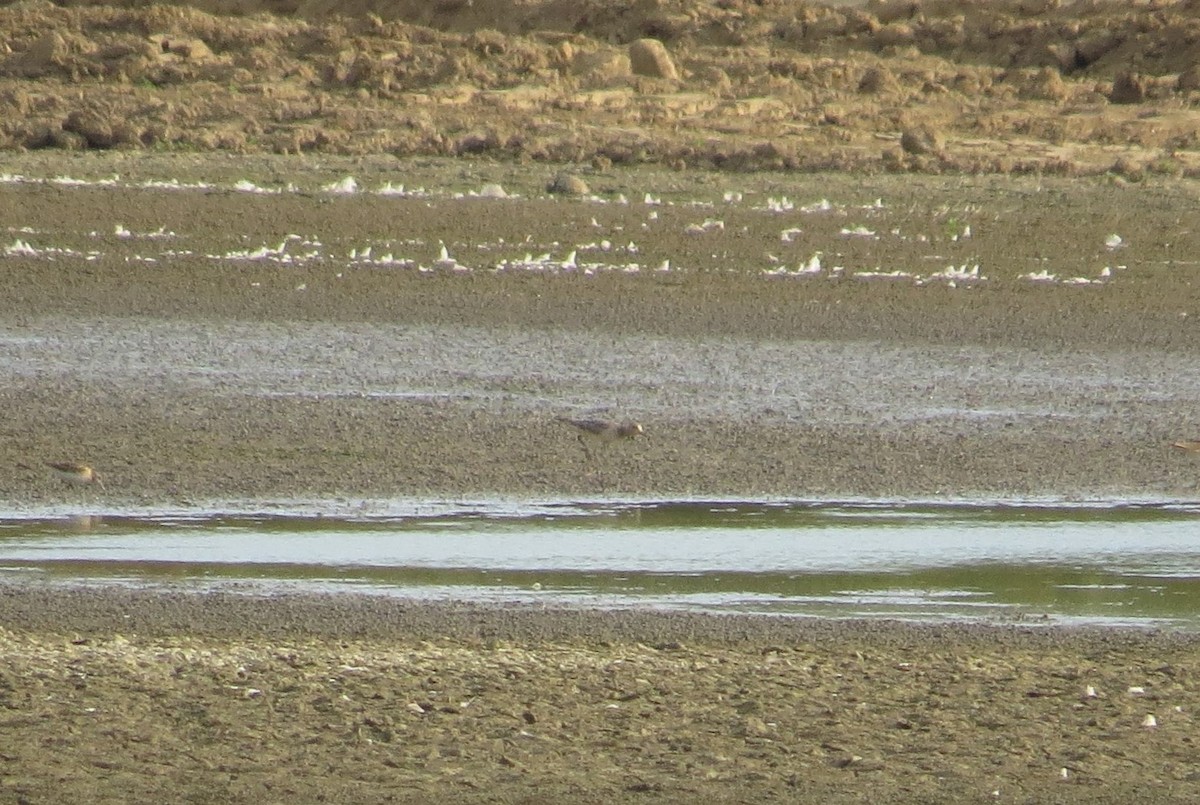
<point x="1137" y="690"/>
<point x="547" y="263"/>
<point x="651" y="201"/>
<point x="896" y="274"/>
<point x="789" y="235"/>
<point x="492" y="191"/>
<point x="1089" y="692"/>
<point x="709" y="225"/>
<point x="122" y="232"/>
<point x="1149" y="722"/>
<point x="246" y="186"/>
<point x="446" y="262"/>
<point x="345" y="187"/>
<point x="823" y="205"/>
<point x="1113" y="241"/>
<point x="1039" y="276"/>
<point x="389" y="189"/>
<point x="67" y="181"/>
<point x="732" y="197"/>
<point x="956" y="274"/>
<point x="600" y="245"/>
<point x="174" y="184"/>
<point x="780" y="205"/>
<point x="813" y="266"/>
<point x="20" y="248"/>
<point x="857" y="232"/>
<point x="279" y="254"/>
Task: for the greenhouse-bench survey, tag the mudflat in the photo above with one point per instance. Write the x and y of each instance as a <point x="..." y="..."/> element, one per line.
<point x="200" y="378"/>
<point x="776" y="335"/>
<point x="151" y="696"/>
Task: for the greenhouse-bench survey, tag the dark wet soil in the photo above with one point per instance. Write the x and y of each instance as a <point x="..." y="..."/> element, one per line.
<point x="998" y="386"/>
<point x="183" y="697"/>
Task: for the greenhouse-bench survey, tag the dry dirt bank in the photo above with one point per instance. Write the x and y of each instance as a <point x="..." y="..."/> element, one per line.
<point x="1021" y="86"/>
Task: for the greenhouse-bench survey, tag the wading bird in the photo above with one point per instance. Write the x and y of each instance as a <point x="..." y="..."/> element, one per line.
<point x="602" y="430"/>
<point x="77" y="474"/>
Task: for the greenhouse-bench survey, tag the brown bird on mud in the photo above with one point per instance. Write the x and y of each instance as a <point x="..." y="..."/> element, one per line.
<point x="602" y="430"/>
<point x="77" y="474"/>
<point x="1191" y="445"/>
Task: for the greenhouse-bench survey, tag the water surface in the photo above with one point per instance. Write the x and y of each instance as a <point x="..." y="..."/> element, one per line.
<point x="1112" y="564"/>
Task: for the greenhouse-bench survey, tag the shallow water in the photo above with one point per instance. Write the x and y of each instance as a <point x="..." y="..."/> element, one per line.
<point x="1105" y="565"/>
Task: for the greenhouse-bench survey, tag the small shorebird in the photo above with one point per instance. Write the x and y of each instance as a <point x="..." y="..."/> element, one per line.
<point x="1191" y="445"/>
<point x="602" y="430"/>
<point x="78" y="474"/>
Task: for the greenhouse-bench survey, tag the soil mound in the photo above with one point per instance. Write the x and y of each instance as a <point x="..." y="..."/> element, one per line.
<point x="1017" y="85"/>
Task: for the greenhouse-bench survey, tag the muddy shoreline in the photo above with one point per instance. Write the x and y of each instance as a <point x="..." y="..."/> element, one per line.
<point x="188" y="373"/>
<point x="220" y="697"/>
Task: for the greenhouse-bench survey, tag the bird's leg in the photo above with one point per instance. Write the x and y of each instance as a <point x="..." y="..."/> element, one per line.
<point x="583" y="444"/>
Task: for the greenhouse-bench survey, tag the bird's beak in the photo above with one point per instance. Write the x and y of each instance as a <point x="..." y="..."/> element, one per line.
<point x="99" y="482"/>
